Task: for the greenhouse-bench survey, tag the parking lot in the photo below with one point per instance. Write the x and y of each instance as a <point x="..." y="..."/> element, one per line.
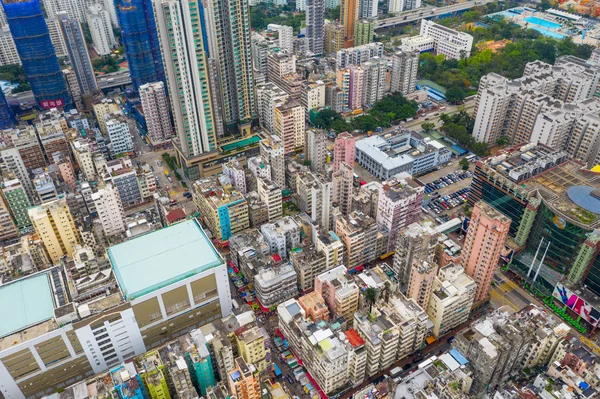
<point x="440" y="204"/>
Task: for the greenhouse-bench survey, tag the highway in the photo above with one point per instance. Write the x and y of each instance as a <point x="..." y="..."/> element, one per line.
<point x="114" y="79"/>
<point x="407" y="17"/>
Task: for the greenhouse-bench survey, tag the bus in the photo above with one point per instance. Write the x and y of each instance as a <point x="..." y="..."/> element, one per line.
<point x="395" y="372"/>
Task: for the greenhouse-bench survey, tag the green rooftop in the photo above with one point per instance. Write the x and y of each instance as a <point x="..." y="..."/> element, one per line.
<point x="24" y="303"/>
<point x="161" y="258"/>
<point x="240" y="144"/>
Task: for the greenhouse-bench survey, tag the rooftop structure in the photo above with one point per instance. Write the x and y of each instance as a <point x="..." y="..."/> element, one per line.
<point x="401" y="151"/>
<point x="26" y="302"/>
<point x="139" y="263"/>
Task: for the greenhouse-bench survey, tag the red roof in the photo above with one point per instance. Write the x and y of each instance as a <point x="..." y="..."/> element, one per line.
<point x="175" y="215"/>
<point x="354" y="339"/>
<point x="277" y="258"/>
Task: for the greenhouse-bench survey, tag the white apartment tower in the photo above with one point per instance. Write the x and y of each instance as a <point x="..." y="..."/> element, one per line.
<point x="118" y="132"/>
<point x="8" y="50"/>
<point x="99" y="23"/>
<point x="110" y="210"/>
<point x="156" y="111"/>
<point x="286" y="36"/>
<point x="404" y="72"/>
<point x="180" y="34"/>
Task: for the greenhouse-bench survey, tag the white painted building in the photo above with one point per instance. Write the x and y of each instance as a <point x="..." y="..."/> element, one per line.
<point x="286" y="36"/>
<point x="110" y="210"/>
<point x="449" y="42"/>
<point x="156" y="112"/>
<point x="118" y="132"/>
<point x="8" y="50"/>
<point x="99" y="23"/>
<point x="403" y="5"/>
<point x="56" y="36"/>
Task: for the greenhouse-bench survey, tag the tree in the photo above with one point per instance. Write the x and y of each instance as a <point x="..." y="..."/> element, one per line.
<point x="325" y="118"/>
<point x="371" y="297"/>
<point x="455" y="95"/>
<point x="502" y="140"/>
<point x="464" y="164"/>
<point x="428" y="126"/>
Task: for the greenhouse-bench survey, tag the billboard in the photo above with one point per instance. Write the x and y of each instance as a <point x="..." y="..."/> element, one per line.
<point x="52" y="103"/>
<point x="576" y="304"/>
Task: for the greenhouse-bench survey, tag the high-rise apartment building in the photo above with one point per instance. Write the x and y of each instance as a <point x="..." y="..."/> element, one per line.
<point x="17" y="201"/>
<point x="251" y="346"/>
<point x="227" y="27"/>
<point x="8" y="49"/>
<point x="343" y="182"/>
<point x="313" y="96"/>
<point x="223" y="208"/>
<point x="56" y="37"/>
<point x="272" y="151"/>
<point x="285" y="39"/>
<point x="54" y="225"/>
<point x="99" y="23"/>
<point x="358" y="232"/>
<point x="344" y="149"/>
<point x="415" y="246"/>
<point x="14" y="165"/>
<point x="351" y="82"/>
<point x="270" y="194"/>
<point x="403" y="5"/>
<point x="155" y="105"/>
<point x="316" y="149"/>
<point x="75" y="9"/>
<point x="110" y="210"/>
<point x="451" y="298"/>
<point x="268" y="97"/>
<point x="399" y="205"/>
<point x="315" y="26"/>
<point x="364" y="31"/>
<point x="32" y="39"/>
<point x="8" y="229"/>
<point x="374" y="81"/>
<point x="117" y="128"/>
<point x="367" y="8"/>
<point x="140" y="40"/>
<point x="358" y="55"/>
<point x="289" y="125"/>
<point x="340" y="292"/>
<point x="7" y="116"/>
<point x="334" y="37"/>
<point x="349" y="12"/>
<point x="404" y="72"/>
<point x="180" y="32"/>
<point x="78" y="53"/>
<point x="420" y="282"/>
<point x="314" y="197"/>
<point x="484" y="243"/>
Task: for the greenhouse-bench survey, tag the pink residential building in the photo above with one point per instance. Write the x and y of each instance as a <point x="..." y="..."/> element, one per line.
<point x="339" y="291"/>
<point x="65" y="169"/>
<point x="344" y="150"/>
<point x="483" y="245"/>
<point x="314" y="306"/>
<point x="399" y="205"/>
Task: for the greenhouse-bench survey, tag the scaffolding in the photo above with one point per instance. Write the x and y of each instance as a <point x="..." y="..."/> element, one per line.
<point x="140" y="39"/>
<point x="32" y="40"/>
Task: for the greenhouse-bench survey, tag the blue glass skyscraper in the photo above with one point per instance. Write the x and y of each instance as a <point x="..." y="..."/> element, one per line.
<point x="32" y="39"/>
<point x="140" y="39"/>
<point x="7" y="117"/>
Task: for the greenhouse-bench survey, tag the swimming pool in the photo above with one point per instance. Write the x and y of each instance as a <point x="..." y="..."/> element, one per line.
<point x="542" y="22"/>
<point x="554" y="35"/>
